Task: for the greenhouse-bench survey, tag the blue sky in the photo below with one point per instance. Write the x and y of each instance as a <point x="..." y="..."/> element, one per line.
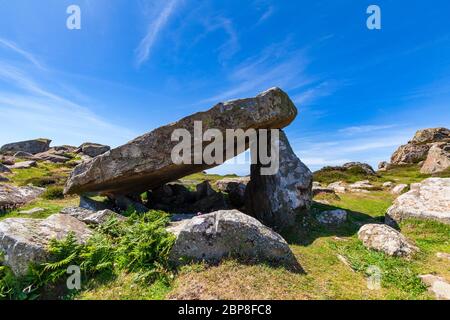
<point x="136" y="65"/>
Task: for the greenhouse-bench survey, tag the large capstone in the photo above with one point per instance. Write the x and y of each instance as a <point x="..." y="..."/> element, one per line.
<point x="228" y="234"/>
<point x="277" y="200"/>
<point x="30" y="146"/>
<point x="146" y="163"/>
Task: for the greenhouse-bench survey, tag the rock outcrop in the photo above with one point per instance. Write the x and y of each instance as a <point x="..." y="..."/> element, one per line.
<point x="417" y="149"/>
<point x="12" y="197"/>
<point x="25" y="241"/>
<point x="438" y="159"/>
<point x="145" y="163"/>
<point x="429" y="199"/>
<point x="362" y="166"/>
<point x="399" y="189"/>
<point x="223" y="234"/>
<point x="30" y="146"/>
<point x="383" y="238"/>
<point x="277" y="200"/>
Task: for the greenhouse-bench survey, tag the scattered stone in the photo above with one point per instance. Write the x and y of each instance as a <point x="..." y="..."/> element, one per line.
<point x="4" y="169"/>
<point x="125" y="202"/>
<point x="4" y="179"/>
<point x="7" y="160"/>
<point x="383" y="238"/>
<point x="332" y="217"/>
<point x="93" y="149"/>
<point x="77" y="212"/>
<point x="146" y="163"/>
<point x="24" y="165"/>
<point x="235" y="187"/>
<point x="443" y="256"/>
<point x="32" y="211"/>
<point x="438" y="286"/>
<point x="12" y="197"/>
<point x="222" y="234"/>
<point x="338" y="187"/>
<point x="93" y="205"/>
<point x="429" y="199"/>
<point x="278" y="200"/>
<point x="384" y="166"/>
<point x="30" y="146"/>
<point x="388" y="185"/>
<point x="399" y="189"/>
<point x="25" y="241"/>
<point x="438" y="159"/>
<point x="92" y="217"/>
<point x="321" y="190"/>
<point x="65" y="149"/>
<point x="361" y="186"/>
<point x="23" y="155"/>
<point x="204" y="190"/>
<point x="50" y="157"/>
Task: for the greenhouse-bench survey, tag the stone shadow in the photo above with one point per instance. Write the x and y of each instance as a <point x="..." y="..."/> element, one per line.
<point x="308" y="229"/>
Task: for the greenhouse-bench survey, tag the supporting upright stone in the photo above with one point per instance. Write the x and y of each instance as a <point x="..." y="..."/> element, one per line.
<point x="277" y="200"/>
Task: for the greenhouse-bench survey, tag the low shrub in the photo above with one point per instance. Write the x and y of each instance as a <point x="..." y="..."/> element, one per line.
<point x="140" y="245"/>
<point x="53" y="193"/>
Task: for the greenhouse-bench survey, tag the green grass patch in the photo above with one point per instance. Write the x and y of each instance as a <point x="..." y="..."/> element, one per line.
<point x="53" y="192"/>
<point x="42" y="175"/>
<point x="328" y="175"/>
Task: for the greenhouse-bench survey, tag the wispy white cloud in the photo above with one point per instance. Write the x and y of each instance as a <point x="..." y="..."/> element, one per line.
<point x="273" y="67"/>
<point x="266" y="15"/>
<point x="25" y="54"/>
<point x="29" y="109"/>
<point x="230" y="47"/>
<point x="364" y="129"/>
<point x="155" y="26"/>
<point x="310" y="95"/>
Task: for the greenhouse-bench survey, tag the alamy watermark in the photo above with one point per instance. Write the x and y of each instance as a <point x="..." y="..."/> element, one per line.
<point x="73" y="22"/>
<point x="374" y="279"/>
<point x="374" y="20"/>
<point x="263" y="144"/>
<point x="74" y="280"/>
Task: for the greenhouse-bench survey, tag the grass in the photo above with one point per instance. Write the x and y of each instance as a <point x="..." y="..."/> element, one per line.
<point x="317" y="250"/>
<point x="50" y="207"/>
<point x="399" y="174"/>
<point x="351" y="175"/>
<point x="42" y="175"/>
<point x="326" y="277"/>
